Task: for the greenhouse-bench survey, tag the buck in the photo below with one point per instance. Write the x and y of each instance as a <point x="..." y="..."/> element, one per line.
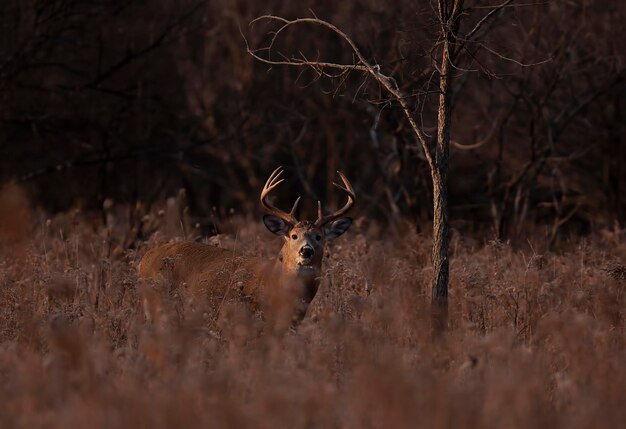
<point x="213" y="274"/>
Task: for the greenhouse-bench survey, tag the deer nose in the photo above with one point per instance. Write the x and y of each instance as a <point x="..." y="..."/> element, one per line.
<point x="306" y="251"/>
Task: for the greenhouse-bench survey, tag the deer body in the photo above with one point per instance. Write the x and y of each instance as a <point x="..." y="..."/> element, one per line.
<point x="212" y="274"/>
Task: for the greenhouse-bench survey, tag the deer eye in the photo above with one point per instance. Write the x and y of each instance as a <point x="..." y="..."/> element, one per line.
<point x="294" y="236"/>
<point x="318" y="237"/>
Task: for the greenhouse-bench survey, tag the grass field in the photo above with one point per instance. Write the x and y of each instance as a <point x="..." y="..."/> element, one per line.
<point x="536" y="338"/>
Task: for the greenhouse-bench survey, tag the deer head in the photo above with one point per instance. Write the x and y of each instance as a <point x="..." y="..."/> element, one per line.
<point x="303" y="249"/>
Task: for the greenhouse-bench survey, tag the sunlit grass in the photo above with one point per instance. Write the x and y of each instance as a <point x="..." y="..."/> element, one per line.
<point x="536" y="339"/>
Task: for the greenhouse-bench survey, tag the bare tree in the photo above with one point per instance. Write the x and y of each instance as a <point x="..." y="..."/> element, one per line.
<point x="446" y="50"/>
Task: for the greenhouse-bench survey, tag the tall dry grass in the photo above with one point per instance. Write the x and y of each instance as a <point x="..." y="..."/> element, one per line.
<point x="537" y="339"/>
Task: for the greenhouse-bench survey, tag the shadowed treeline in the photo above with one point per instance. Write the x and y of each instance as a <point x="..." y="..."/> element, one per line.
<point x="130" y="102"/>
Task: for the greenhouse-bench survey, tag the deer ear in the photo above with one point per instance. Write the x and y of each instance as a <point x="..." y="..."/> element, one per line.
<point x="276" y="225"/>
<point x="338" y="227"/>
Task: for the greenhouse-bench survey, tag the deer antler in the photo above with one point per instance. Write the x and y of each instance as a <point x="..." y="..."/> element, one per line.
<point x="270" y="185"/>
<point x="347" y="188"/>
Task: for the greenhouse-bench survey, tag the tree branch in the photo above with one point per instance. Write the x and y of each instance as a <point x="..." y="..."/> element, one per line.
<point x="387" y="82"/>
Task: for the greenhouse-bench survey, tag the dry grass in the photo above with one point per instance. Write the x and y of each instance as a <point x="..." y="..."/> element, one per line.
<point x="537" y="339"/>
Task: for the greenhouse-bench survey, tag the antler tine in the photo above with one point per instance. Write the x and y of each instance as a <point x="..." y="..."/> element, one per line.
<point x="271" y="184"/>
<point x="347" y="188"/>
<point x="273" y="181"/>
<point x="295" y="207"/>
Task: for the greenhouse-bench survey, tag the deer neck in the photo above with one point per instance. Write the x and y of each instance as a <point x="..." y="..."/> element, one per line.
<point x="305" y="279"/>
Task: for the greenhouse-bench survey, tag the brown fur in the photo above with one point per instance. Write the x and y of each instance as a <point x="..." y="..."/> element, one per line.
<point x="211" y="276"/>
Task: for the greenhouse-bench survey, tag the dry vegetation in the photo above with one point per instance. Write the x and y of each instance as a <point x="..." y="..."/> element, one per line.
<point x="537" y="338"/>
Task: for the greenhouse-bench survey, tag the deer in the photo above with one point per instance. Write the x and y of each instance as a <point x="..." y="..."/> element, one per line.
<point x="214" y="275"/>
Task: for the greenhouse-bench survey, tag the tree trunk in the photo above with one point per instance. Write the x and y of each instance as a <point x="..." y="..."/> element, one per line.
<point x="441" y="242"/>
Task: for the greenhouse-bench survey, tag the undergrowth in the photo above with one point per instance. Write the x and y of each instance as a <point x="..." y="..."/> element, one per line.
<point x="536" y="337"/>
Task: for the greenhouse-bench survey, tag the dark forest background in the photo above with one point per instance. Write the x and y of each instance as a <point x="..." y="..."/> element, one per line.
<point x="131" y="101"/>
